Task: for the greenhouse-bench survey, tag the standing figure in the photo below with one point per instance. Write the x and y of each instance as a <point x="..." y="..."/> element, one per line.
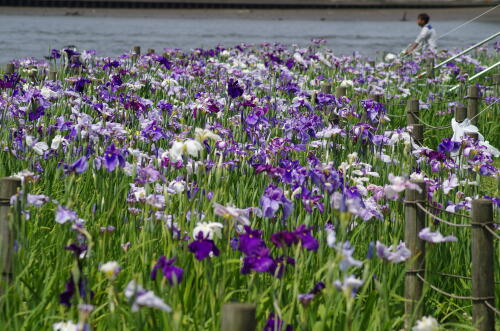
<point x="427" y="37"/>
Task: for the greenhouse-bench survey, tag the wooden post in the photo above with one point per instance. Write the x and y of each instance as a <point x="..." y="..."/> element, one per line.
<point x="473" y="101"/>
<point x="52" y="75"/>
<point x="340" y="91"/>
<point x="496" y="79"/>
<point x="415" y="265"/>
<point x="136" y="52"/>
<point x="8" y="187"/>
<point x="430" y="68"/>
<point x="412" y="115"/>
<point x="460" y="113"/>
<point x="10" y="68"/>
<point x="483" y="264"/>
<point x="327" y="88"/>
<point x="151" y="51"/>
<point x="238" y="316"/>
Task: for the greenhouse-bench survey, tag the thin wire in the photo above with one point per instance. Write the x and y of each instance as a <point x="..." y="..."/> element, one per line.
<point x="491" y="307"/>
<point x="449" y="294"/>
<point x="453" y="276"/>
<point x="490" y="231"/>
<point x="491" y="104"/>
<point x="429" y="125"/>
<point x="448" y="212"/>
<point x="469" y="21"/>
<point x="440" y="219"/>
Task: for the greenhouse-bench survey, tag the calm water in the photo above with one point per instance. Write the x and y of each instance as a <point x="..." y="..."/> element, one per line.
<point x="23" y="36"/>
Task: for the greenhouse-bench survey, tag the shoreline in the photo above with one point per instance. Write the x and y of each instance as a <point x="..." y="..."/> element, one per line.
<point x="437" y="14"/>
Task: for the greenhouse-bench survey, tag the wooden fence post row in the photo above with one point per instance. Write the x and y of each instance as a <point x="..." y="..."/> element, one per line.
<point x="412" y="115"/>
<point x="483" y="264"/>
<point x="8" y="187"/>
<point x="415" y="265"/>
<point x="238" y="317"/>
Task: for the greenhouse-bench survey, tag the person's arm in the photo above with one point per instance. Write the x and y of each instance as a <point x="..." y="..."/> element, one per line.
<point x="422" y="36"/>
<point x="411" y="48"/>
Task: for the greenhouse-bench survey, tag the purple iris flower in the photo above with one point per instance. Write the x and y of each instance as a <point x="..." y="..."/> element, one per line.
<point x="113" y="157"/>
<point x="79" y="165"/>
<point x="79" y="85"/>
<point x="202" y="248"/>
<point x="284" y="238"/>
<point x="250" y="241"/>
<point x="271" y="201"/>
<point x="234" y="89"/>
<point x="274" y="323"/>
<point x="76" y="249"/>
<point x="55" y="54"/>
<point x="166" y="63"/>
<point x="174" y="274"/>
<point x="308" y="297"/>
<point x="64" y="215"/>
<point x="448" y="146"/>
<point x="259" y="261"/>
<point x="306" y="239"/>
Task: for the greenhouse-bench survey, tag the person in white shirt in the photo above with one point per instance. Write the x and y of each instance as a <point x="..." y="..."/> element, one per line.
<point x="427" y="38"/>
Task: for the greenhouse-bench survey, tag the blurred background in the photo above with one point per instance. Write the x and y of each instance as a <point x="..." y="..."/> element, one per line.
<point x="30" y="28"/>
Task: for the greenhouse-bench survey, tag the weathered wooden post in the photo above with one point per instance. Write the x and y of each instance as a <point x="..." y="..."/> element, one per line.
<point x="52" y="75"/>
<point x="412" y="114"/>
<point x="430" y="68"/>
<point x="340" y="91"/>
<point x="415" y="265"/>
<point x="136" y="52"/>
<point x="10" y="68"/>
<point x="150" y="51"/>
<point x="473" y="102"/>
<point x="483" y="264"/>
<point x="327" y="88"/>
<point x="8" y="187"/>
<point x="460" y="113"/>
<point x="238" y="316"/>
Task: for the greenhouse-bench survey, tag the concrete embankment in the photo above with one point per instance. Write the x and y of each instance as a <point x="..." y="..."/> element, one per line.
<point x="251" y="4"/>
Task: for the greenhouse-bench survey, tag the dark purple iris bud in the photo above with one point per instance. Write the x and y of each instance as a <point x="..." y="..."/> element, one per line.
<point x="371" y="249"/>
<point x="448" y="146"/>
<point x="170" y="271"/>
<point x="113" y="158"/>
<point x="71" y="52"/>
<point x="308" y="297"/>
<point x="306" y="239"/>
<point x="284" y="238"/>
<point x="10" y="81"/>
<point x="203" y="248"/>
<point x="76" y="249"/>
<point x="65" y="297"/>
<point x="234" y="89"/>
<point x="274" y="323"/>
<point x="290" y="63"/>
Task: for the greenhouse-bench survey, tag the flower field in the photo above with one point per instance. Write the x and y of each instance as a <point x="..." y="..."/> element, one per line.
<point x="156" y="188"/>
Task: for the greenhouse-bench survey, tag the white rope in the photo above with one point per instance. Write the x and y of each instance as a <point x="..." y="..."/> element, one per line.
<point x="469" y="21"/>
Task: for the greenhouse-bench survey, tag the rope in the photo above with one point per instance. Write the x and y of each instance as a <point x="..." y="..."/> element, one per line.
<point x="469" y="21"/>
<point x="453" y="295"/>
<point x="453" y="276"/>
<point x="491" y="307"/>
<point x="440" y="219"/>
<point x="448" y="212"/>
<point x="489" y="230"/>
<point x="431" y="126"/>
<point x="491" y="104"/>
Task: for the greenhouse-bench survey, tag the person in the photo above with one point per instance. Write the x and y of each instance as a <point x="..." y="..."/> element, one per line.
<point x="427" y="37"/>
